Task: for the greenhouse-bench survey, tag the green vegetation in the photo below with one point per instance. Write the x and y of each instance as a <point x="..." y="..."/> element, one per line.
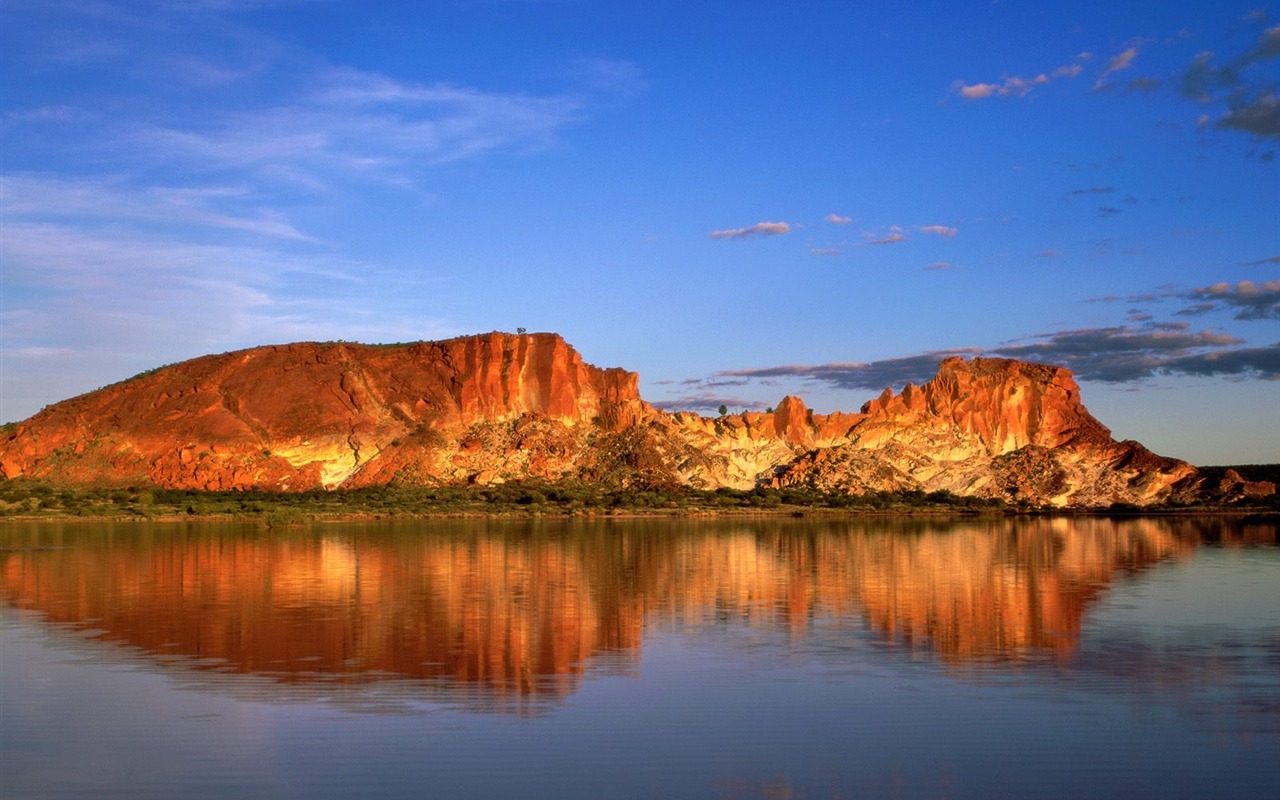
<point x="26" y="499"/>
<point x="279" y="509"/>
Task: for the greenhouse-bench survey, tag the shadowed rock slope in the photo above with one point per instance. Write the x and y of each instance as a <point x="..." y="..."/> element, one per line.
<point x="496" y="407"/>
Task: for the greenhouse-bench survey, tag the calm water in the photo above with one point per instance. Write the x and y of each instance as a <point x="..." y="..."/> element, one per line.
<point x="759" y="659"/>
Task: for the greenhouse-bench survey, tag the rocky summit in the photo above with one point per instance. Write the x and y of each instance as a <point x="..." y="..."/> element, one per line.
<point x="498" y="407"/>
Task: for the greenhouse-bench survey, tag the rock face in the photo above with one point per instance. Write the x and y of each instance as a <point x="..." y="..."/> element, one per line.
<point x="986" y="427"/>
<point x="299" y="416"/>
<point x="495" y="407"/>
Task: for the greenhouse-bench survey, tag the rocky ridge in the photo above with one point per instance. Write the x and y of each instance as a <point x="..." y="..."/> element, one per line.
<point x="497" y="407"/>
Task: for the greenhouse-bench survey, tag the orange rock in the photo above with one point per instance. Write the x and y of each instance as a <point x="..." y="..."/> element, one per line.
<point x="792" y="421"/>
<point x="498" y="407"/>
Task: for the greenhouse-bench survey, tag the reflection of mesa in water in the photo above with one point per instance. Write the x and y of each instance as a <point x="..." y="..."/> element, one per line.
<point x="523" y="610"/>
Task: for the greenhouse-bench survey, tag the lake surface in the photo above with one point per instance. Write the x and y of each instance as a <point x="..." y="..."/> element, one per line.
<point x="787" y="658"/>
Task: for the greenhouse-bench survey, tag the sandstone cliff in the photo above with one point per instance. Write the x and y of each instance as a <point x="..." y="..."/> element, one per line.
<point x="305" y="415"/>
<point x="985" y="427"/>
<point x="496" y="407"/>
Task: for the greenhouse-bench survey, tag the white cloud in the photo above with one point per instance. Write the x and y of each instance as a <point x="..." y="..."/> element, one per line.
<point x="892" y="235"/>
<point x="836" y="219"/>
<point x="977" y="91"/>
<point x="365" y="126"/>
<point x="113" y="200"/>
<point x="888" y="238"/>
<point x="759" y="229"/>
<point x="939" y="230"/>
<point x="1016" y="85"/>
<point x="1120" y="61"/>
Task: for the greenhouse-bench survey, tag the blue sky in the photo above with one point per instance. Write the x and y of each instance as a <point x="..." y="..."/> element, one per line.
<point x="736" y="200"/>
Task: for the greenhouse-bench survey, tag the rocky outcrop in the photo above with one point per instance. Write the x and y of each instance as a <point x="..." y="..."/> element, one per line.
<point x="485" y="409"/>
<point x="1232" y="487"/>
<point x="300" y="416"/>
<point x="993" y="428"/>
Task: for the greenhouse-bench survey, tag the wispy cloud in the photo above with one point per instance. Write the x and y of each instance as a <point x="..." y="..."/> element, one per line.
<point x="111" y="200"/>
<point x="1248" y="299"/>
<point x="975" y="91"/>
<point x="1118" y="354"/>
<point x="888" y="238"/>
<point x="891" y="235"/>
<point x="1251" y="100"/>
<point x="1259" y="116"/>
<point x="1195" y="310"/>
<point x="939" y="230"/>
<point x="836" y="219"/>
<point x="1266" y="48"/>
<point x="1121" y="61"/>
<point x="1144" y="84"/>
<point x="709" y="402"/>
<point x="614" y="76"/>
<point x="127" y="300"/>
<point x="1109" y="354"/>
<point x="1251" y="301"/>
<point x="1256" y="362"/>
<point x="873" y="375"/>
<point x="365" y="126"/>
<point x="1017" y="85"/>
<point x="759" y="229"/>
<point x="1248" y="100"/>
<point x="267" y="109"/>
<point x="198" y="193"/>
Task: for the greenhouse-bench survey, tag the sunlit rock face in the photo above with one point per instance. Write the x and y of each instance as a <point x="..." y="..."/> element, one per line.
<point x="498" y="407"/>
<point x="993" y="428"/>
<point x="310" y="415"/>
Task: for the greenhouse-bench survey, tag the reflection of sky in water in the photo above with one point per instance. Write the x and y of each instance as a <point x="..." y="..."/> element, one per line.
<point x="1172" y="687"/>
<point x="1222" y="586"/>
<point x="1202" y="635"/>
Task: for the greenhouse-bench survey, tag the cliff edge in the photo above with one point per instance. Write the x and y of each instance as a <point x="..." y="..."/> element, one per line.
<point x="496" y="407"/>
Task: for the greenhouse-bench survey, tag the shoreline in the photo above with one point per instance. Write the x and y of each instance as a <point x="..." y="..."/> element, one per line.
<point x="270" y="519"/>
